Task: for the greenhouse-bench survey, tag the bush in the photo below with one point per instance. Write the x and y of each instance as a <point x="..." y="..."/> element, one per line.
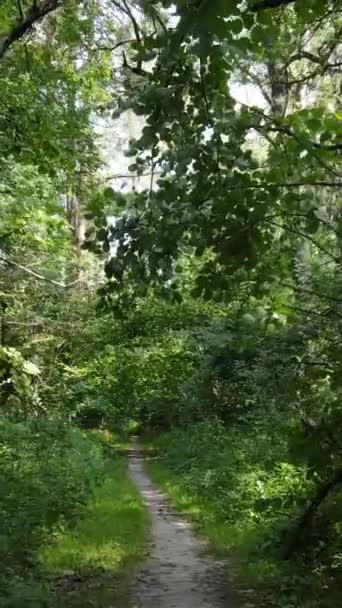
<point x="242" y="479"/>
<point x="47" y="471"/>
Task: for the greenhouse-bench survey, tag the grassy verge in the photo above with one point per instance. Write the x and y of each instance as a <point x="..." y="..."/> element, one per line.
<point x="215" y="483"/>
<point x="196" y="510"/>
<point x="89" y="565"/>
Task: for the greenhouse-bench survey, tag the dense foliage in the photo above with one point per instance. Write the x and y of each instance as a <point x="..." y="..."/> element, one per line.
<point x="207" y="298"/>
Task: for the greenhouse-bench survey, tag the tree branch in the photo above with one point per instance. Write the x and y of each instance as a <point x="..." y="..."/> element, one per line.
<point x="134" y="22"/>
<point x="314" y="293"/>
<point x="306" y="236"/>
<point x="287" y="131"/>
<point x="36" y="275"/>
<point x="305" y="311"/>
<point x="115" y="46"/>
<point x="129" y="176"/>
<point x="126" y="9"/>
<point x="261" y="6"/>
<point x="287" y="185"/>
<point x="255" y="78"/>
<point x="23" y="26"/>
<point x="304" y="55"/>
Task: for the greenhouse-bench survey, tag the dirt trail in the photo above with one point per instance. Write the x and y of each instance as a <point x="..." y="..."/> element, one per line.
<point x="177" y="573"/>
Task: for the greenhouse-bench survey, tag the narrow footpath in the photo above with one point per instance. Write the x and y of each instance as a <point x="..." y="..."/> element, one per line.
<point x="177" y="573"/>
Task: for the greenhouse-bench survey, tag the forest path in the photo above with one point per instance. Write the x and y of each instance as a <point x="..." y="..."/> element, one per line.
<point x="177" y="573"/>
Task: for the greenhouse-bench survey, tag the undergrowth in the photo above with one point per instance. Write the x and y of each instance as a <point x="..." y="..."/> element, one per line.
<point x="73" y="524"/>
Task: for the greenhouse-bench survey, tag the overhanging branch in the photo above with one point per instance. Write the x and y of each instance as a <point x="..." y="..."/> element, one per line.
<point x="23" y="26"/>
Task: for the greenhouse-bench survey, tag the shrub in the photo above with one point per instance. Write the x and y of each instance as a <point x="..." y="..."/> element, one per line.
<point x="47" y="471"/>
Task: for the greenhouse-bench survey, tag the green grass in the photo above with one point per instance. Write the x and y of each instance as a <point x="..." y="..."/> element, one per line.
<point x="89" y="565"/>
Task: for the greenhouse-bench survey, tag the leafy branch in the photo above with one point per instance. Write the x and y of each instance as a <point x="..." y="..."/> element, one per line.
<point x="25" y="23"/>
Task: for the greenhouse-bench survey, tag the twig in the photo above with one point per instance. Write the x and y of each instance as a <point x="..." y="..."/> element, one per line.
<point x="115" y="46"/>
<point x="36" y="275"/>
<point x="315" y="293"/>
<point x="306" y="236"/>
<point x="303" y="310"/>
<point x="130" y="176"/>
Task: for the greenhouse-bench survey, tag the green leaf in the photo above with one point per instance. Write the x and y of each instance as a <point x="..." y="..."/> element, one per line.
<point x="30" y="368"/>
